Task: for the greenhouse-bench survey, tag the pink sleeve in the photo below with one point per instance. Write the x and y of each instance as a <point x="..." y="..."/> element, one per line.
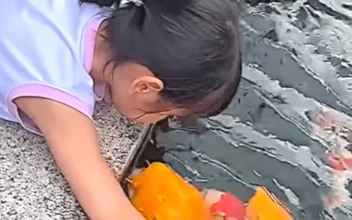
<point x="43" y="91"/>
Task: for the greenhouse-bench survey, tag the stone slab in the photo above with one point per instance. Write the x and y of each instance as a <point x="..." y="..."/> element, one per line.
<point x="31" y="187"/>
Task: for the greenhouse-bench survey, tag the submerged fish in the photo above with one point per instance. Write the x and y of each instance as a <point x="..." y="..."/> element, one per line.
<point x="159" y="193"/>
<point x="335" y="128"/>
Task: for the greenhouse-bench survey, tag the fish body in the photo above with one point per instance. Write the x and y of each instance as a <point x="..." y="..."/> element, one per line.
<point x="159" y="193"/>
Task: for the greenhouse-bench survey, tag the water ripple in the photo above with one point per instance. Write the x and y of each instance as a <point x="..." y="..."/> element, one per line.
<point x="297" y="61"/>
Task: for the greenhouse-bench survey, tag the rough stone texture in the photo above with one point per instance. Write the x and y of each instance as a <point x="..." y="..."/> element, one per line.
<point x="31" y="186"/>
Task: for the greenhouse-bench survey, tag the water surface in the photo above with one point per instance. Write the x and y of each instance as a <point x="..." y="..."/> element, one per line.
<point x="297" y="58"/>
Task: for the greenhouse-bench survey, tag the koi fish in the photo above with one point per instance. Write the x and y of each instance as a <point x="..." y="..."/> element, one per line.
<point x="159" y="193"/>
<point x="335" y="128"/>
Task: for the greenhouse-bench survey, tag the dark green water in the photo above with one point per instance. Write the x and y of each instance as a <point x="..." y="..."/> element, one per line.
<point x="297" y="57"/>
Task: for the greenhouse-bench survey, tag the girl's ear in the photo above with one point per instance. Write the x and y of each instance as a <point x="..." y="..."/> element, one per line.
<point x="146" y="84"/>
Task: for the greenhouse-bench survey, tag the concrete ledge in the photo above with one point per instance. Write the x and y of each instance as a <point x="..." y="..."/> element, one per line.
<point x="31" y="186"/>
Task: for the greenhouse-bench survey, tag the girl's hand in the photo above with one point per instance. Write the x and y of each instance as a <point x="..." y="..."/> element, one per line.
<point x="74" y="144"/>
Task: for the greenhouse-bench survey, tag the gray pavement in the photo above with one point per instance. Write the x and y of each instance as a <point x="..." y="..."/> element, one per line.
<point x="31" y="187"/>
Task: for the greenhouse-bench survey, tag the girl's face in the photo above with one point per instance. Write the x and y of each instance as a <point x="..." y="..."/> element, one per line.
<point x="132" y="88"/>
<point x="135" y="92"/>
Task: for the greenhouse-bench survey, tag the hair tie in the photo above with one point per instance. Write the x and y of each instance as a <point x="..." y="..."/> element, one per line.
<point x="125" y="3"/>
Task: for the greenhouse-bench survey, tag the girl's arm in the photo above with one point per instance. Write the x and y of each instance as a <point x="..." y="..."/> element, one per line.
<point x="73" y="142"/>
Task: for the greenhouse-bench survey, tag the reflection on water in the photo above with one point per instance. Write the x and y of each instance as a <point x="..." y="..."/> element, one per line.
<point x="297" y="60"/>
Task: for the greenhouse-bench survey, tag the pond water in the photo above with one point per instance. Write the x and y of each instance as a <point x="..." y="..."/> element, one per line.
<point x="297" y="59"/>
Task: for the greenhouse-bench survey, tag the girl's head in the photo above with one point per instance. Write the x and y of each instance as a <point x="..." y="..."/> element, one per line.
<point x="172" y="58"/>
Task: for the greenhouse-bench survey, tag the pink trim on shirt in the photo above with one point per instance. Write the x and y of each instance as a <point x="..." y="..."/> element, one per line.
<point x="90" y="34"/>
<point x="49" y="92"/>
<point x="43" y="91"/>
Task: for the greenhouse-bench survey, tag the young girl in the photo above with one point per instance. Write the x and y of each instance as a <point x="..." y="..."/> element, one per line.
<point x="151" y="58"/>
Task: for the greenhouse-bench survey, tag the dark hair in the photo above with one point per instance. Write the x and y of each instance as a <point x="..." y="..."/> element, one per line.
<point x="193" y="46"/>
